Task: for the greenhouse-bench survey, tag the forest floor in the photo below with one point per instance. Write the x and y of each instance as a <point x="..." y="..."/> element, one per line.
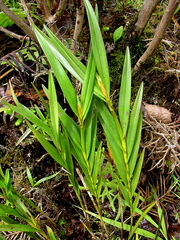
<point x="162" y="141"/>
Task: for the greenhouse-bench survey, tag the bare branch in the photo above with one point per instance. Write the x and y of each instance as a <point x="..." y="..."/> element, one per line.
<point x="18" y="21"/>
<point x="79" y="23"/>
<point x="14" y="35"/>
<point x="25" y="7"/>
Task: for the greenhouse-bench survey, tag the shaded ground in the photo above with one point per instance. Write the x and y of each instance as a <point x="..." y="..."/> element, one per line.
<point x="162" y="141"/>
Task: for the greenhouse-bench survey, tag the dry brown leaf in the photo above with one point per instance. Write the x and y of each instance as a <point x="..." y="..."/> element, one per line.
<point x="161" y="114"/>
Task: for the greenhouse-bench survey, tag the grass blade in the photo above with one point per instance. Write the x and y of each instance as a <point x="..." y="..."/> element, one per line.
<point x="88" y="86"/>
<point x="135" y="227"/>
<point x="17" y="227"/>
<point x="53" y="105"/>
<point x="125" y="226"/>
<point x="134" y="155"/>
<point x="29" y="115"/>
<point x="137" y="172"/>
<point x="133" y="122"/>
<point x="125" y="93"/>
<point x="48" y="147"/>
<point x="63" y="80"/>
<point x="112" y="136"/>
<point x="98" y="48"/>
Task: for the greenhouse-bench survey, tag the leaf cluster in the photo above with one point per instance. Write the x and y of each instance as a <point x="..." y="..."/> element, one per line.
<point x="66" y="139"/>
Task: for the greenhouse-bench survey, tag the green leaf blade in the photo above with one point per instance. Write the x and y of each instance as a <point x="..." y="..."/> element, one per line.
<point x="48" y="147"/>
<point x="52" y="55"/>
<point x="17" y="227"/>
<point x="88" y="86"/>
<point x="53" y="104"/>
<point x="133" y="122"/>
<point x="117" y="34"/>
<point x="98" y="48"/>
<point x="125" y="94"/>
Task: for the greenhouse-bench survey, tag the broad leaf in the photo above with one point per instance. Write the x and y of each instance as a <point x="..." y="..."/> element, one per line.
<point x="117" y="33"/>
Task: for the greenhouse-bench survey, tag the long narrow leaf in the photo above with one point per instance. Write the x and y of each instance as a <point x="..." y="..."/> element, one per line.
<point x="51" y="233"/>
<point x="90" y="134"/>
<point x="10" y="211"/>
<point x="137" y="172"/>
<point x="133" y="123"/>
<point x="70" y="126"/>
<point x="88" y="86"/>
<point x="66" y="151"/>
<point x="53" y="106"/>
<point x="63" y="80"/>
<point x="45" y="179"/>
<point x="29" y="115"/>
<point x="112" y="136"/>
<point x="41" y="98"/>
<point x="125" y="93"/>
<point x="125" y="226"/>
<point x="98" y="48"/>
<point x="17" y="227"/>
<point x="97" y="167"/>
<point x="134" y="155"/>
<point x="124" y="189"/>
<point x="48" y="147"/>
<point x="135" y="227"/>
<point x="67" y="59"/>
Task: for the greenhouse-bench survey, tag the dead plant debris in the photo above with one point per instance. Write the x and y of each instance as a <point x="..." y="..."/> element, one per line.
<point x="162" y="142"/>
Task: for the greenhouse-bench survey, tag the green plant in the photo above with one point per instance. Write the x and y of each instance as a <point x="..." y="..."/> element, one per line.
<point x="117" y="33"/>
<point x="31" y="179"/>
<point x="65" y="137"/>
<point x="9" y="111"/>
<point x="5" y="21"/>
<point x="175" y="186"/>
<point x="16" y="8"/>
<point x="134" y="3"/>
<point x="12" y="3"/>
<point x="14" y="213"/>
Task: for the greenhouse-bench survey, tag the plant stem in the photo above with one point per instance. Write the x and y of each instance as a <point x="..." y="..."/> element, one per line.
<point x="94" y="193"/>
<point x="125" y="155"/>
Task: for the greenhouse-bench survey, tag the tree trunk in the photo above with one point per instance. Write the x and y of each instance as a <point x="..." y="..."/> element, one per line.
<point x="160" y="31"/>
<point x="145" y="14"/>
